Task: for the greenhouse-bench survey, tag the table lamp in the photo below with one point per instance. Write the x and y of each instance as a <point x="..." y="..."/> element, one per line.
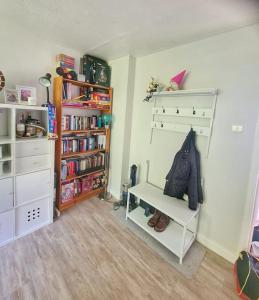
<point x="46" y="82"/>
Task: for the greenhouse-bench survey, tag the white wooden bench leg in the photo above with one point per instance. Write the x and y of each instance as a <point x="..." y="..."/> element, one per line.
<point x="196" y="225"/>
<point x="182" y="245"/>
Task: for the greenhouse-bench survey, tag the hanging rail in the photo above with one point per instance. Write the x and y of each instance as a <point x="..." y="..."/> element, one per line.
<point x="183" y="128"/>
<point x="191" y="112"/>
<point x="204" y="113"/>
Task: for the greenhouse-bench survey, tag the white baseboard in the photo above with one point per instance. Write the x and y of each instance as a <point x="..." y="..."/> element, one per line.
<point x="215" y="247"/>
<point x="115" y="194"/>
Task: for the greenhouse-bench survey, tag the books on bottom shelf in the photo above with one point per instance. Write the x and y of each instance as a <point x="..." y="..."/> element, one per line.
<point x="81" y="186"/>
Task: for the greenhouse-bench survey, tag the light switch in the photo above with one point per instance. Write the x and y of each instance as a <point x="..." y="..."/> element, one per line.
<point x="237" y="128"/>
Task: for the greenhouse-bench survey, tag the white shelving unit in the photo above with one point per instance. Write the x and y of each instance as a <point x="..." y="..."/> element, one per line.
<point x="26" y="177"/>
<point x="181" y="232"/>
<point x="193" y="112"/>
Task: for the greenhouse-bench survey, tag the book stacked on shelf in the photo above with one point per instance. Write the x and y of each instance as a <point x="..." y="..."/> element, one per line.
<point x="78" y="186"/>
<point x="72" y="122"/>
<point x="79" y="166"/>
<point x="71" y="91"/>
<point x="79" y="143"/>
<point x="101" y="95"/>
<point x="65" y="61"/>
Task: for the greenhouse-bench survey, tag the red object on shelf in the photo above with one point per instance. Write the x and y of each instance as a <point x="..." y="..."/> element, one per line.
<point x="87" y="183"/>
<point x="67" y="192"/>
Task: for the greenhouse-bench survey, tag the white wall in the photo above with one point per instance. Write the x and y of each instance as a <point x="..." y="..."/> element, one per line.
<point x="25" y="57"/>
<point x="250" y="214"/>
<point x="229" y="62"/>
<point x="123" y="83"/>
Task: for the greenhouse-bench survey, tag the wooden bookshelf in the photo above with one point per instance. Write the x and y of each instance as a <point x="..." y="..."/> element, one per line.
<point x="69" y="178"/>
<point x="62" y="108"/>
<point x="86" y="107"/>
<point x="74" y="154"/>
<point x="65" y="132"/>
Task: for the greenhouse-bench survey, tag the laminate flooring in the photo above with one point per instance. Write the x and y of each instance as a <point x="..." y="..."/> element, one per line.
<point x="87" y="255"/>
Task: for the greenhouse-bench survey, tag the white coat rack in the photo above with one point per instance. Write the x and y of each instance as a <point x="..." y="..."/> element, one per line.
<point x="186" y="112"/>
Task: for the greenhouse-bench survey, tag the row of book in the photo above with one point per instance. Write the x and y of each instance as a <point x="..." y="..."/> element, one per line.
<point x="83" y="165"/>
<point x="72" y="122"/>
<point x="72" y="144"/>
<point x="70" y="91"/>
<point x="100" y="95"/>
<point x="83" y="185"/>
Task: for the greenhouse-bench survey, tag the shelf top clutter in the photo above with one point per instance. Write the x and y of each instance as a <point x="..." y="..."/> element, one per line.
<point x="89" y="96"/>
<point x="25" y="107"/>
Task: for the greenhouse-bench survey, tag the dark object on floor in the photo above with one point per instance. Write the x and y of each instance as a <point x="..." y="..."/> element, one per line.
<point x="96" y="70"/>
<point x="184" y="176"/>
<point x="133" y="179"/>
<point x="246" y="273"/>
<point x="162" y="223"/>
<point x="153" y="221"/>
<point x="148" y="208"/>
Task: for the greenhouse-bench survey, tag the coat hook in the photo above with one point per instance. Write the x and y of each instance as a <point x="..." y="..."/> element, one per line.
<point x="177" y="110"/>
<point x="193" y="111"/>
<point x="163" y="109"/>
<point x="162" y="125"/>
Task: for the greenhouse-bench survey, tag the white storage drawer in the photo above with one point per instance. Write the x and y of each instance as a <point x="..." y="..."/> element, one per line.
<point x="31" y="216"/>
<point x="6" y="194"/>
<point x="6" y="226"/>
<point x="32" y="148"/>
<point x="33" y="163"/>
<point x="32" y="186"/>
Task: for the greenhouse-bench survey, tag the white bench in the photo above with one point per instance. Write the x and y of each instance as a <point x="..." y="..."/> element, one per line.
<point x="180" y="233"/>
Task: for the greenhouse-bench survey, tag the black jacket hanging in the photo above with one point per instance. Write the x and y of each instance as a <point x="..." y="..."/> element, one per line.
<point x="184" y="176"/>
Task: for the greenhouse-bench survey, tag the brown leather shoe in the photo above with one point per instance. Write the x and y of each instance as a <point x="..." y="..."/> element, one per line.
<point x="162" y="223"/>
<point x="153" y="221"/>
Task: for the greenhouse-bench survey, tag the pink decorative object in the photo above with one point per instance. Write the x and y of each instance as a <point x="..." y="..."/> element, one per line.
<point x="177" y="80"/>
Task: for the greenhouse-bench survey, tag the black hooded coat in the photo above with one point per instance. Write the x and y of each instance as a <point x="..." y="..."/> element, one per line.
<point x="184" y="176"/>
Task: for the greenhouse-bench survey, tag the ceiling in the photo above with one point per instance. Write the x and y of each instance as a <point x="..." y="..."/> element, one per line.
<point x="114" y="28"/>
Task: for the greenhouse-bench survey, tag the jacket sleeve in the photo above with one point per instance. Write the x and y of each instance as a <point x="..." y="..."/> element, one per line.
<point x="200" y="193"/>
<point x="192" y="191"/>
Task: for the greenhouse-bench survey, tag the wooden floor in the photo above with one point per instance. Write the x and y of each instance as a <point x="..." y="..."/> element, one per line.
<point x="86" y="254"/>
